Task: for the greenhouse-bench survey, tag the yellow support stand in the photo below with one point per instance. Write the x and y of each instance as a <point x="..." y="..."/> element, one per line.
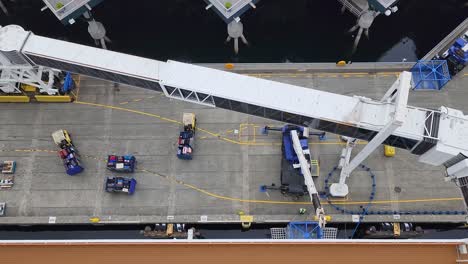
<point x="53" y="98"/>
<point x="14" y="99"/>
<point x="396" y="229"/>
<point x="28" y="88"/>
<point x="170" y="229"/>
<point x="389" y="151"/>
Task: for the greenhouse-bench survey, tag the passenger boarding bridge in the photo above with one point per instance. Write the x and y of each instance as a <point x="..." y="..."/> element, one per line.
<point x="438" y="137"/>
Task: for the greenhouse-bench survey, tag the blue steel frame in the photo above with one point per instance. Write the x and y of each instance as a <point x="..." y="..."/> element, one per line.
<point x="304" y="230"/>
<point x="430" y="75"/>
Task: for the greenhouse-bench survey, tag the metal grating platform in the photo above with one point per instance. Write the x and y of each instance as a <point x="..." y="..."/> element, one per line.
<point x="430" y="75"/>
<point x="278" y="233"/>
<point x="330" y="233"/>
<point x="304" y="230"/>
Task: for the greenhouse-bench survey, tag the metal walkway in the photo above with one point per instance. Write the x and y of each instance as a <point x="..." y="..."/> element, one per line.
<point x="356" y="117"/>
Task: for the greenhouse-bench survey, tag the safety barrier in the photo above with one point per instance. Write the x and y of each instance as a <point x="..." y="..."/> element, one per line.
<point x="14" y="99"/>
<point x="53" y="98"/>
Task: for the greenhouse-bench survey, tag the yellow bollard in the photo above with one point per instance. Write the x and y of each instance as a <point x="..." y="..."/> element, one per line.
<point x="94" y="220"/>
<point x="341" y="63"/>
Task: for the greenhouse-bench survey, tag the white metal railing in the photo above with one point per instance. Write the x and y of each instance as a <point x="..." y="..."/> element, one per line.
<point x="426" y="129"/>
<point x="192" y="96"/>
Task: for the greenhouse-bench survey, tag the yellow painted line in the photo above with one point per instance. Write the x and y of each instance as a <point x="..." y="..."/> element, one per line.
<point x="340" y="202"/>
<point x="78" y="88"/>
<point x="79" y="80"/>
<point x="254" y="134"/>
<point x="123" y="103"/>
<point x="33" y="150"/>
<point x="358" y="73"/>
<point x="240" y="132"/>
<point x="217" y="135"/>
<point x="214" y="195"/>
<point x="244" y="126"/>
<point x="131" y="111"/>
<point x="387" y="73"/>
<point x="223" y="197"/>
<point x="137" y="100"/>
<point x="320" y="74"/>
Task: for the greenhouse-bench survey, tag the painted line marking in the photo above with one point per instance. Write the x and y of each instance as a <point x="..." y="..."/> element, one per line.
<point x="222" y="197"/>
<point x="78" y="86"/>
<point x="216" y="135"/>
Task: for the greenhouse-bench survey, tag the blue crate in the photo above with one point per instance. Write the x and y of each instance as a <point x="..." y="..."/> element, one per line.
<point x="430" y="75"/>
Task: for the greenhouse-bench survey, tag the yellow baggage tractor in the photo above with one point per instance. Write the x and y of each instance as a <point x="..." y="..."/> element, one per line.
<point x="61" y="137"/>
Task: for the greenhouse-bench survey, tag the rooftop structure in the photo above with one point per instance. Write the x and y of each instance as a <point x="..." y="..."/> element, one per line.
<point x="235" y="251"/>
<point x="68" y="10"/>
<point x="230" y="10"/>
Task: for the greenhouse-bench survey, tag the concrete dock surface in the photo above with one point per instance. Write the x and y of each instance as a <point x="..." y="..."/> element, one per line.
<point x="232" y="159"/>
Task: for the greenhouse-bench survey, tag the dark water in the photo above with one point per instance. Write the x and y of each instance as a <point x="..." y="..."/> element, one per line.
<point x="278" y="30"/>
